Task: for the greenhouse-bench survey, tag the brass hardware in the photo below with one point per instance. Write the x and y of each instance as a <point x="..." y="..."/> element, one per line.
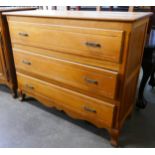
<point x="92" y="44"/>
<point x="89" y="110"/>
<point x="29" y="87"/>
<point x="91" y="81"/>
<point x="26" y="62"/>
<point x="23" y="34"/>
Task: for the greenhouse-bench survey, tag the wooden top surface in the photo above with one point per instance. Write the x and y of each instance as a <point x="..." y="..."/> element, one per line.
<point x="93" y="15"/>
<point x="7" y="9"/>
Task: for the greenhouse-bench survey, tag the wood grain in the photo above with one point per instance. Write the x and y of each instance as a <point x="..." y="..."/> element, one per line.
<point x="96" y="83"/>
<point x="7" y="68"/>
<point x="90" y="79"/>
<point x="95" y="43"/>
<point x="91" y="109"/>
<point x="89" y="15"/>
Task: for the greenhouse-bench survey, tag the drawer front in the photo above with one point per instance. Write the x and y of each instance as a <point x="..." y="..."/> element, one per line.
<point x="87" y="42"/>
<point x="90" y="108"/>
<point x="93" y="80"/>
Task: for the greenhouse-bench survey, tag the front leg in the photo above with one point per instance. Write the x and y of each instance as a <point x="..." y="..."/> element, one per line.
<point x="114" y="137"/>
<point x="14" y="93"/>
<point x="21" y="95"/>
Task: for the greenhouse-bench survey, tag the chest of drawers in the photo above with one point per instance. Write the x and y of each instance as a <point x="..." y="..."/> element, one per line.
<point x="7" y="70"/>
<point x="85" y="63"/>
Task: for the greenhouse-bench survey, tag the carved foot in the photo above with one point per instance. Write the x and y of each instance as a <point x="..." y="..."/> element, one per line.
<point x="21" y="96"/>
<point x="114" y="133"/>
<point x="14" y="93"/>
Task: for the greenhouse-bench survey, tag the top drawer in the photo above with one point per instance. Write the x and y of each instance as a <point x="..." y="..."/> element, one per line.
<point x="103" y="44"/>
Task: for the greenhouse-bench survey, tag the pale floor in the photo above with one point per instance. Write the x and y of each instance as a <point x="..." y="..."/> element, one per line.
<point x="29" y="124"/>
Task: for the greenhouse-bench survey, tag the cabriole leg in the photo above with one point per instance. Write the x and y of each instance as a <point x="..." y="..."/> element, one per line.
<point x="14" y="93"/>
<point x="21" y="96"/>
<point x="114" y="135"/>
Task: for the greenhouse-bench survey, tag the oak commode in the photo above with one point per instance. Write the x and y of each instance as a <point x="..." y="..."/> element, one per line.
<point x="85" y="63"/>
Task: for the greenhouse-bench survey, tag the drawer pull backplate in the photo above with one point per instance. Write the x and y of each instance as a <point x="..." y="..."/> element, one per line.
<point x="92" y="44"/>
<point x="89" y="110"/>
<point x="88" y="80"/>
<point x="23" y="34"/>
<point x="29" y="87"/>
<point x="26" y="62"/>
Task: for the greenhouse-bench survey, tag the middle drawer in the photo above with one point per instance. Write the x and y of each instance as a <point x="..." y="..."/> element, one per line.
<point x="95" y="81"/>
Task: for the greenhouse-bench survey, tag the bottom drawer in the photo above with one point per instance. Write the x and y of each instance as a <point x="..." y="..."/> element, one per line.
<point x="96" y="111"/>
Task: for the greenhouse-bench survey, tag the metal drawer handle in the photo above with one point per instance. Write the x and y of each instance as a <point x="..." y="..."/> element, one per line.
<point x="23" y="34"/>
<point x="29" y="87"/>
<point x="26" y="62"/>
<point x="89" y="110"/>
<point x="91" y="81"/>
<point x="92" y="44"/>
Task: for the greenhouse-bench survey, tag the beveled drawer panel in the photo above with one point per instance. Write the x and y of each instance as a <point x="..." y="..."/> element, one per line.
<point x="100" y="44"/>
<point x="89" y="108"/>
<point x="81" y="77"/>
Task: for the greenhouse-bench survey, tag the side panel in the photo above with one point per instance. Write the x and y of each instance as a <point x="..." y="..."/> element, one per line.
<point x="2" y="77"/>
<point x="133" y="65"/>
<point x="2" y="65"/>
<point x="7" y="56"/>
